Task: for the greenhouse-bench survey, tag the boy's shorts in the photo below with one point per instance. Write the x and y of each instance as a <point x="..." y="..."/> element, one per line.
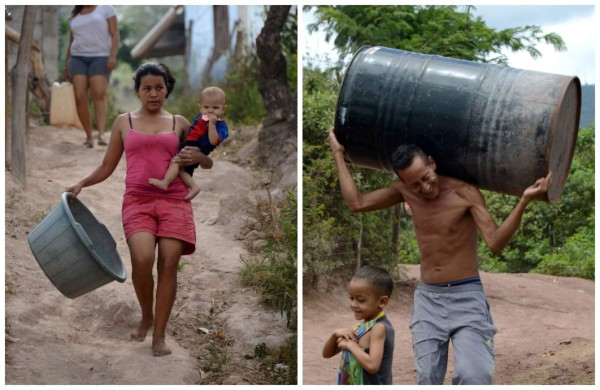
<point x="88" y="66"/>
<point x="161" y="217"/>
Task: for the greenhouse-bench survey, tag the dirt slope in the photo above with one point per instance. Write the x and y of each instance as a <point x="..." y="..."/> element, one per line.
<point x="545" y="329"/>
<point x="214" y="326"/>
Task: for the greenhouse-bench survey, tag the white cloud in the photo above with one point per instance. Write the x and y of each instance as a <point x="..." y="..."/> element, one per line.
<point x="579" y="59"/>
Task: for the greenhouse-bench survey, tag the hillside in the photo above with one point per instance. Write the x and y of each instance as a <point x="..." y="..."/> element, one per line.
<point x="588" y="105"/>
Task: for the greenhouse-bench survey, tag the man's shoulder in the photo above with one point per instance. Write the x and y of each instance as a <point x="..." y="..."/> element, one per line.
<point x="452" y="183"/>
<point x="464" y="190"/>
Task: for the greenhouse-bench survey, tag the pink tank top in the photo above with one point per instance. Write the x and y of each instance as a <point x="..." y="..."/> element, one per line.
<point x="148" y="156"/>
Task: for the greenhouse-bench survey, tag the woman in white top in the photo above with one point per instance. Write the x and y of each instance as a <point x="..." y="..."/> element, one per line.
<point x="91" y="57"/>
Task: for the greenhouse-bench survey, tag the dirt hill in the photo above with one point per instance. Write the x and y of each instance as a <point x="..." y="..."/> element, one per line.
<point x="545" y="329"/>
<point x="215" y="324"/>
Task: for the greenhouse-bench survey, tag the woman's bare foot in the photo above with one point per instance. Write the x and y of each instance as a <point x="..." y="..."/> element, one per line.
<point x="89" y="143"/>
<point x="195" y="190"/>
<point x="141" y="331"/>
<point x="159" y="347"/>
<point x="159" y="183"/>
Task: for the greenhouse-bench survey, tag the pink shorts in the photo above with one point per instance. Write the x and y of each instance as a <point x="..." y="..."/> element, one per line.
<point x="161" y="217"/>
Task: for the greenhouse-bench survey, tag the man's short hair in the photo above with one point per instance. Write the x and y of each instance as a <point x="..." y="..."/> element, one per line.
<point x="404" y="155"/>
<point x="379" y="277"/>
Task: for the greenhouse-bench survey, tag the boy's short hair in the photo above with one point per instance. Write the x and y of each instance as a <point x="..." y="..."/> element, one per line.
<point x="212" y="91"/>
<point x="379" y="277"/>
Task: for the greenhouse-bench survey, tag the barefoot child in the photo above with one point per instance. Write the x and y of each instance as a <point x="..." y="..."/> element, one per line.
<point x="368" y="348"/>
<point x="206" y="132"/>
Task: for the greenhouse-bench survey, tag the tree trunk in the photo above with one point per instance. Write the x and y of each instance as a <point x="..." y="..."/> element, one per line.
<point x="277" y="140"/>
<point x="19" y="96"/>
<point x="7" y="84"/>
<point x="222" y="40"/>
<point x="272" y="77"/>
<point x="37" y="82"/>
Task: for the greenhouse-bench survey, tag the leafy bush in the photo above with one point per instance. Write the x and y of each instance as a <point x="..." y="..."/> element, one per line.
<point x="575" y="258"/>
<point x="550" y="233"/>
<point x="331" y="231"/>
<point x="244" y="102"/>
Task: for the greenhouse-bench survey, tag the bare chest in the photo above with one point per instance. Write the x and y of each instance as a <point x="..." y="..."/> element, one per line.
<point x="442" y="218"/>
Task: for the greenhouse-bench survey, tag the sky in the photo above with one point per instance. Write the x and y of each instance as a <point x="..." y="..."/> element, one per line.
<point x="574" y="23"/>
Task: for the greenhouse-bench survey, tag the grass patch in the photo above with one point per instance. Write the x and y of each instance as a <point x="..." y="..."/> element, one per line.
<point x="280" y="364"/>
<point x="272" y="270"/>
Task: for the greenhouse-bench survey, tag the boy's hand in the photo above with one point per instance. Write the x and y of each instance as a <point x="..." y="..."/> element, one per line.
<point x="346" y="333"/>
<point x="212" y="119"/>
<point x="344" y="344"/>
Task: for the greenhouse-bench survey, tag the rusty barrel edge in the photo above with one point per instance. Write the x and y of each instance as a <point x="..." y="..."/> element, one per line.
<point x="496" y="127"/>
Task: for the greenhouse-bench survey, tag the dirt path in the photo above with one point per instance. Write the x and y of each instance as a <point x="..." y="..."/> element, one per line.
<point x="214" y="326"/>
<point x="545" y="329"/>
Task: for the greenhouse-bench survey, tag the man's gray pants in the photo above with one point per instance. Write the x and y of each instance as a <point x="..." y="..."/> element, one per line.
<point x="460" y="313"/>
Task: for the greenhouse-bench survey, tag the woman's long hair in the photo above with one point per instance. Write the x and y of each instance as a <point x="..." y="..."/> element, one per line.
<point x="76" y="10"/>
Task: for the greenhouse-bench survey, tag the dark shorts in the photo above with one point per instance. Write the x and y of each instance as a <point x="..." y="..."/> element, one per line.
<point x="161" y="217"/>
<point x="88" y="66"/>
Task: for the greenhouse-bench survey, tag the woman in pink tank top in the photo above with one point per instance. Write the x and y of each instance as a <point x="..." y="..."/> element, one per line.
<point x="152" y="218"/>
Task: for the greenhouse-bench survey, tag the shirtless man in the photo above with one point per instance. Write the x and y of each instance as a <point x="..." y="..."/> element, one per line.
<point x="449" y="302"/>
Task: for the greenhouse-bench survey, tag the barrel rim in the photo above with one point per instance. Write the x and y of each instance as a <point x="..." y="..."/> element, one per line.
<point x="560" y="186"/>
<point x="65" y="198"/>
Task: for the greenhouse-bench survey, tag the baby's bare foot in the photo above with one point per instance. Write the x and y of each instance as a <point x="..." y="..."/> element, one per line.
<point x="141" y="331"/>
<point x="192" y="193"/>
<point x="159" y="347"/>
<point x="159" y="183"/>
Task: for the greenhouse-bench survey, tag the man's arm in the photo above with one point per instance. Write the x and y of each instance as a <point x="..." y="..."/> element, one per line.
<point x="357" y="201"/>
<point x="497" y="237"/>
<point x="371" y="361"/>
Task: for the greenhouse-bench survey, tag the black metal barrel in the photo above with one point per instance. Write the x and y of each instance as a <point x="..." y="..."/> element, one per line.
<point x="496" y="127"/>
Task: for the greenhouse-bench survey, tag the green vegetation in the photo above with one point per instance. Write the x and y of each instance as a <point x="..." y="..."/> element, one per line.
<point x="244" y="103"/>
<point x="281" y="363"/>
<point x="553" y="239"/>
<point x="556" y="239"/>
<point x="433" y="29"/>
<point x="272" y="270"/>
<point x="331" y="232"/>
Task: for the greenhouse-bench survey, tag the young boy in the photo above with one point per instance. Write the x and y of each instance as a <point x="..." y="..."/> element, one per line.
<point x="206" y="131"/>
<point x="368" y="348"/>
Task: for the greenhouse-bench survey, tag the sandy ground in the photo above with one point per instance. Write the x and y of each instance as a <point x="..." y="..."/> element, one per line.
<point x="545" y="329"/>
<point x="215" y="324"/>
